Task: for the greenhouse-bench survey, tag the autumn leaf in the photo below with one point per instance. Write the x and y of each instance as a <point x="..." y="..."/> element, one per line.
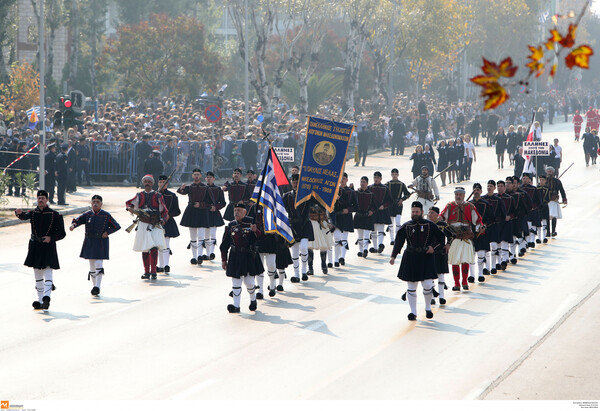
<point x="553" y="70"/>
<point x="536" y="65"/>
<point x="495" y="94"/>
<point x="482" y="80"/>
<point x="504" y="69"/>
<point x="569" y="40"/>
<point x="579" y="57"/>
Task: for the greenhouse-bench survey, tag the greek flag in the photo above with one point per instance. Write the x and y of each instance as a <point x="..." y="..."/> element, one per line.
<point x="266" y="193"/>
<point x="32" y="109"/>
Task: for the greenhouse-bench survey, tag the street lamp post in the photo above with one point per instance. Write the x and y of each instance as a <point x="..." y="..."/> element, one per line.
<point x="42" y="146"/>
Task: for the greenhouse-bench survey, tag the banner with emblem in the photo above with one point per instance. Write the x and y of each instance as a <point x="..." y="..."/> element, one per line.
<point x="323" y="161"/>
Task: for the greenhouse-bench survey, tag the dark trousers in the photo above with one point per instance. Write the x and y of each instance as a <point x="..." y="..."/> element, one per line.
<point x="61" y="188"/>
<point x="84" y="169"/>
<point x="475" y="138"/>
<point x="468" y="164"/>
<point x="71" y="180"/>
<point x="49" y="186"/>
<point x="250" y="163"/>
<point x="397" y="146"/>
<point x="362" y="153"/>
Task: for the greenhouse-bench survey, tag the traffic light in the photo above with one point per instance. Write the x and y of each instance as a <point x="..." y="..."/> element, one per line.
<point x="69" y="115"/>
<point x="57" y="118"/>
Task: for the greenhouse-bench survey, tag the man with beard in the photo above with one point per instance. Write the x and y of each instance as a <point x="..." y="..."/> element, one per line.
<point x="427" y="189"/>
<point x="47" y="227"/>
<point x="418" y="261"/>
<point x="149" y="236"/>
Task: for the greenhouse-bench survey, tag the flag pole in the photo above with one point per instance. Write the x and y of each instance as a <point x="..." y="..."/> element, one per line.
<point x="42" y="118"/>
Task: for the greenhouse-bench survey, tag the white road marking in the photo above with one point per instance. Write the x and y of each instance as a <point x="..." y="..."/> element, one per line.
<point x="193" y="390"/>
<point x="562" y="309"/>
<point x="476" y="392"/>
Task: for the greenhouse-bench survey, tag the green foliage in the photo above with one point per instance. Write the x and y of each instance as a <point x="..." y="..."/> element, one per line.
<point x="4" y="183"/>
<point x="29" y="180"/>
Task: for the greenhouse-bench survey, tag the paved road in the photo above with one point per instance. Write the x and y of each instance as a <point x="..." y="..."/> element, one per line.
<point x="339" y="336"/>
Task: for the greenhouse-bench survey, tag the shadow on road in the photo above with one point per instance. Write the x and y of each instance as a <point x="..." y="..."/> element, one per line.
<point x="445" y="327"/>
<point x="102" y="299"/>
<point x="56" y="315"/>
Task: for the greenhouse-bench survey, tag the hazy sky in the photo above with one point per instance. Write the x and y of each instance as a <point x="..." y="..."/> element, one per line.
<point x="596" y="6"/>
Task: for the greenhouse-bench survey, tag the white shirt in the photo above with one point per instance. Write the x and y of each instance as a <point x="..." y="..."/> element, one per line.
<point x="557" y="150"/>
<point x="469" y="149"/>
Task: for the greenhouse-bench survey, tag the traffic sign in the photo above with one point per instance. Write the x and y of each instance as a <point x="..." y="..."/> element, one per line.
<point x="213" y="113"/>
<point x="78" y="99"/>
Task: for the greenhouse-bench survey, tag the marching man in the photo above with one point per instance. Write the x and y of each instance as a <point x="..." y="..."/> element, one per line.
<point x="99" y="224"/>
<point x="47" y="227"/>
<point x="426" y="188"/>
<point x="460" y="216"/>
<point x="381" y="218"/>
<point x="243" y="262"/>
<point x="149" y="236"/>
<point x="418" y="261"/>
<point x="171" y="229"/>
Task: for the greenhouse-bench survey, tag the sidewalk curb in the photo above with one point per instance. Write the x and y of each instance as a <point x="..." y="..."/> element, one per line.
<point x="68" y="211"/>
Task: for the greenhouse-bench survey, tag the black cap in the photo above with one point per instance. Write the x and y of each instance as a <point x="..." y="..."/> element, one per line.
<point x="64" y="146"/>
<point x="196" y="170"/>
<point x="477" y="185"/>
<point x="345" y="175"/>
<point x="516" y="179"/>
<point x="377" y="174"/>
<point x="492" y="182"/>
<point x="417" y="204"/>
<point x="427" y="167"/>
<point x="237" y="170"/>
<point x="501" y="182"/>
<point x="394" y="170"/>
<point x="96" y="197"/>
<point x="250" y="172"/>
<point x="364" y="178"/>
<point x="42" y="193"/>
<point x="435" y="209"/>
<point x="162" y="177"/>
<point x="210" y="174"/>
<point x="295" y="177"/>
<point x="240" y="204"/>
<point x="526" y="175"/>
<point x="509" y="178"/>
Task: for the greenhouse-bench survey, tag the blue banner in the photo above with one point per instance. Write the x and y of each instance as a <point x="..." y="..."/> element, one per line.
<point x="323" y="161"/>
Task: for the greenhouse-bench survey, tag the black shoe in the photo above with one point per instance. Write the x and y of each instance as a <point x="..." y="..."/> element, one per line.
<point x="433" y="301"/>
<point x="381" y="248"/>
<point x="435" y="293"/>
<point x="503" y="265"/>
<point x="342" y="261"/>
<point x="442" y="301"/>
<point x="310" y="272"/>
<point x="486" y="271"/>
<point x="295" y="279"/>
<point x="403" y="297"/>
<point x="193" y="261"/>
<point x="471" y="279"/>
<point x="53" y="287"/>
<point x="531" y="245"/>
<point x="259" y="296"/>
<point x="212" y="256"/>
<point x="200" y="260"/>
<point x="372" y="250"/>
<point x="153" y="276"/>
<point x="146" y="276"/>
<point x="304" y="277"/>
<point x="325" y="271"/>
<point x="513" y="261"/>
<point x="95" y="291"/>
<point x="554" y="234"/>
<point x="271" y="292"/>
<point x="521" y="254"/>
<point x="428" y="314"/>
<point x="160" y="270"/>
<point x="252" y="306"/>
<point x="37" y="305"/>
<point x="494" y="271"/>
<point x="233" y="309"/>
<point x="360" y="254"/>
<point x="205" y="258"/>
<point x="167" y="269"/>
<point x="52" y="202"/>
<point x="365" y="254"/>
<point x="45" y="302"/>
<point x="329" y="265"/>
<point x="465" y="286"/>
<point x="412" y="317"/>
<point x="231" y="293"/>
<point x="280" y="287"/>
<point x="336" y="265"/>
<point x="538" y="241"/>
<point x="498" y="267"/>
<point x="481" y="279"/>
<point x="545" y="241"/>
<point x="456" y="288"/>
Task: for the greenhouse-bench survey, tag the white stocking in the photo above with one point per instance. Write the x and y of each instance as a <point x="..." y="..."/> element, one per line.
<point x="481" y="261"/>
<point x="194" y="241"/>
<point x="344" y="244"/>
<point x="249" y="282"/>
<point x="441" y="284"/>
<point x="39" y="283"/>
<point x="236" y="288"/>
<point x="427" y="293"/>
<point x="411" y="295"/>
<point x="295" y="251"/>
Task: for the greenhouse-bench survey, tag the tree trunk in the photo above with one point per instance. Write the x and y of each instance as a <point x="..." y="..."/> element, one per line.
<point x="74" y="55"/>
<point x="52" y="26"/>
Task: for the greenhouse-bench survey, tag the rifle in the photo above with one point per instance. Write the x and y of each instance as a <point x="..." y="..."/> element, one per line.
<point x="138" y="214"/>
<point x="162" y="188"/>
<point x="441" y="172"/>
<point x="563" y="173"/>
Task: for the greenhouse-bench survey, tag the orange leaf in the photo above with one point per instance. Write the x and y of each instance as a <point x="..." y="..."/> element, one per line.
<point x="537" y="53"/>
<point x="536" y="64"/>
<point x="549" y="44"/>
<point x="579" y="57"/>
<point x="482" y="80"/>
<point x="553" y="70"/>
<point x="504" y="69"/>
<point x="569" y="40"/>
<point x="556" y="37"/>
<point x="496" y="95"/>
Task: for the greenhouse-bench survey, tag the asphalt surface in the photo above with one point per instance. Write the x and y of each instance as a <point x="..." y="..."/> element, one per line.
<point x="527" y="333"/>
